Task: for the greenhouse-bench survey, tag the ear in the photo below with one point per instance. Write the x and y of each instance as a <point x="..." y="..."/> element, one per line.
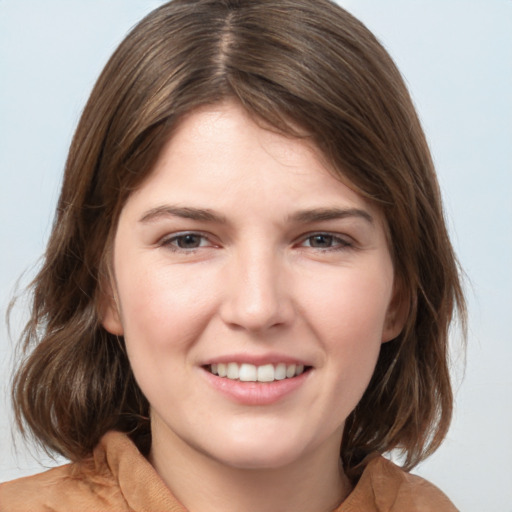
<point x="109" y="311"/>
<point x="397" y="313"/>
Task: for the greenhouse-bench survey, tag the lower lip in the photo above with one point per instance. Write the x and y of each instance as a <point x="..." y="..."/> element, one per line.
<point x="256" y="393"/>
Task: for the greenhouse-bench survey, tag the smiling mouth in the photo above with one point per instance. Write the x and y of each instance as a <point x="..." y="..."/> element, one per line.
<point x="246" y="372"/>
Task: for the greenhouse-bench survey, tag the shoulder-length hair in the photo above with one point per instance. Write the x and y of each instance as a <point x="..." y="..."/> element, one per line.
<point x="301" y="67"/>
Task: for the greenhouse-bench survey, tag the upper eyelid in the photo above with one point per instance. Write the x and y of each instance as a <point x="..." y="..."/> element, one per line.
<point x="341" y="236"/>
<point x="173" y="236"/>
<point x="186" y="232"/>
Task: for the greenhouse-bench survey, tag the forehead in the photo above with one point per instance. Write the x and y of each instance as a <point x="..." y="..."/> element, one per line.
<point x="220" y="128"/>
<point x="221" y="155"/>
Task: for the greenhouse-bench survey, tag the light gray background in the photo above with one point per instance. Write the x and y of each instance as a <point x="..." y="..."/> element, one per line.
<point x="456" y="56"/>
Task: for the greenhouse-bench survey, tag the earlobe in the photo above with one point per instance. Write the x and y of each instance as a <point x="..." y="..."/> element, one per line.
<point x="111" y="321"/>
<point x="397" y="314"/>
<point x="109" y="313"/>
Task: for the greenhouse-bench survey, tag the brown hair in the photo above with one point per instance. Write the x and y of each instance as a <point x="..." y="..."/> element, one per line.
<point x="290" y="63"/>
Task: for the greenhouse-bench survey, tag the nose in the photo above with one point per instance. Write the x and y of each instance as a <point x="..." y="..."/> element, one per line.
<point x="256" y="296"/>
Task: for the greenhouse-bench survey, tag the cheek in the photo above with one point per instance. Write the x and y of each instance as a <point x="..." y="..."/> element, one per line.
<point x="348" y="314"/>
<point x="164" y="313"/>
<point x="350" y="306"/>
<point x="162" y="308"/>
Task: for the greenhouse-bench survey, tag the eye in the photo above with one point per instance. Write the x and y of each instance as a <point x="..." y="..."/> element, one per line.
<point x="186" y="241"/>
<point x="325" y="241"/>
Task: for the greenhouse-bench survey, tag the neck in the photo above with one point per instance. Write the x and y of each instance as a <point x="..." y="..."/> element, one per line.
<point x="316" y="482"/>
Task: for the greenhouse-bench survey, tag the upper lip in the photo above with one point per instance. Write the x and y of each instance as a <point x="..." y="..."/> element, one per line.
<point x="256" y="359"/>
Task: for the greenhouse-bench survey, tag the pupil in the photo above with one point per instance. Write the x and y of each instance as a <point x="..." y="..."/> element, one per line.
<point x="321" y="241"/>
<point x="188" y="241"/>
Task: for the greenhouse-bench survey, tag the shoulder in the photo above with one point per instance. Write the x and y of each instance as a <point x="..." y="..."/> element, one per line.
<point x="81" y="487"/>
<point x="384" y="486"/>
<point x="116" y="477"/>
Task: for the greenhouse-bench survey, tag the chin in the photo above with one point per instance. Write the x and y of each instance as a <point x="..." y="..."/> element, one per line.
<point x="257" y="454"/>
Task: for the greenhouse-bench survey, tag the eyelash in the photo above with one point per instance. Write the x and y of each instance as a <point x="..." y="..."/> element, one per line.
<point x="341" y="243"/>
<point x="172" y="242"/>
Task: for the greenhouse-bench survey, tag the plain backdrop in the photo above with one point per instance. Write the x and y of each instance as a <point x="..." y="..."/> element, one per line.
<point x="456" y="56"/>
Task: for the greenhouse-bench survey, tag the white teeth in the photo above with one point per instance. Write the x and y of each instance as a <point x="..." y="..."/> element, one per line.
<point x="248" y="373"/>
<point x="266" y="373"/>
<point x="251" y="373"/>
<point x="280" y="372"/>
<point x="222" y="371"/>
<point x="233" y="372"/>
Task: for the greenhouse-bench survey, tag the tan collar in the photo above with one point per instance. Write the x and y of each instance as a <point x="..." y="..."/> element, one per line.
<point x="118" y="478"/>
<point x="382" y="487"/>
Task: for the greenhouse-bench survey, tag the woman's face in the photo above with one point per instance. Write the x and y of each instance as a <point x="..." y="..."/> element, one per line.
<point x="242" y="254"/>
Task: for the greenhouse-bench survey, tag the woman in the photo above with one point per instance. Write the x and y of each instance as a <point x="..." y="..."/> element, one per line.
<point x="249" y="275"/>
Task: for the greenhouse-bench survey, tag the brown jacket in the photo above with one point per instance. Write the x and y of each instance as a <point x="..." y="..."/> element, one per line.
<point x="118" y="478"/>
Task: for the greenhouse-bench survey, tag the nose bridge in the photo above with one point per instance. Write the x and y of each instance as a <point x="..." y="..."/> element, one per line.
<point x="256" y="298"/>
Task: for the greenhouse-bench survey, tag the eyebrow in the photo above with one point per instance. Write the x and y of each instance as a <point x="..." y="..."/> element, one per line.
<point x="199" y="214"/>
<point x="207" y="215"/>
<point x="324" y="214"/>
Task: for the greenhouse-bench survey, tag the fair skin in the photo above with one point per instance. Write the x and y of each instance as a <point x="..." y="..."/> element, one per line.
<point x="241" y="253"/>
